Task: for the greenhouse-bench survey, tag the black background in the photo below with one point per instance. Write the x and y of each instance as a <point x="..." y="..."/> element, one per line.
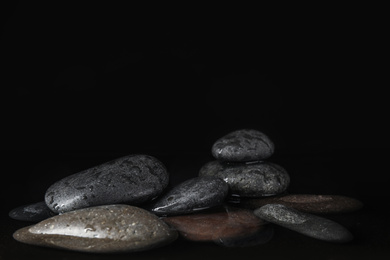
<point x="87" y="83"/>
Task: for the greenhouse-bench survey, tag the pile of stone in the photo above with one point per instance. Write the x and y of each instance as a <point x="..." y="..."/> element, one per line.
<point x="124" y="205"/>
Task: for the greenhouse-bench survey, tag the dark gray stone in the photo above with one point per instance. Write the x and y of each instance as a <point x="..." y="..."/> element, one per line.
<point x="34" y="212"/>
<point x="132" y="179"/>
<point x="192" y="195"/>
<point x="100" y="229"/>
<point x="243" y="146"/>
<point x="304" y="223"/>
<point x="249" y="180"/>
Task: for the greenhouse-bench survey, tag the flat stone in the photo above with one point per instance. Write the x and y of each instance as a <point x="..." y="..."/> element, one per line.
<point x="304" y="223"/>
<point x="310" y="203"/>
<point x="100" y="229"/>
<point x="34" y="212"/>
<point x="249" y="180"/>
<point x="132" y="179"/>
<point x="227" y="226"/>
<point x="191" y="195"/>
<point x="242" y="146"/>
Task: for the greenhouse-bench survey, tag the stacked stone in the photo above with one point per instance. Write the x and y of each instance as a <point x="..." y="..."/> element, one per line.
<point x="241" y="161"/>
<point x="124" y="205"/>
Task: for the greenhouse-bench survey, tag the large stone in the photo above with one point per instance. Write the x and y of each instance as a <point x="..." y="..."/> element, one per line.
<point x="100" y="229"/>
<point x="304" y="223"/>
<point x="242" y="146"/>
<point x="310" y="203"/>
<point x="249" y="180"/>
<point x="192" y="195"/>
<point x="132" y="179"/>
<point x="227" y="226"/>
<point x="34" y="212"/>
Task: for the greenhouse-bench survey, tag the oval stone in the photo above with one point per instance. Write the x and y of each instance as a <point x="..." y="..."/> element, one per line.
<point x="310" y="203"/>
<point x="228" y="226"/>
<point x="132" y="179"/>
<point x="304" y="223"/>
<point x="100" y="229"/>
<point x="243" y="146"/>
<point x="34" y="212"/>
<point x="192" y="195"/>
<point x="249" y="180"/>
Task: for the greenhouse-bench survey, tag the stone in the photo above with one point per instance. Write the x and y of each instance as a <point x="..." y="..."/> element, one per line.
<point x="309" y="203"/>
<point x="304" y="223"/>
<point x="242" y="146"/>
<point x="132" y="179"/>
<point x="33" y="212"/>
<point x="100" y="229"/>
<point x="191" y="195"/>
<point x="227" y="226"/>
<point x="249" y="180"/>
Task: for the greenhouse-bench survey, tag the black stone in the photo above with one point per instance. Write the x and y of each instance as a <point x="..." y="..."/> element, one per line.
<point x="132" y="179"/>
<point x="243" y="146"/>
<point x="249" y="180"/>
<point x="192" y="195"/>
<point x="34" y="212"/>
<point x="304" y="223"/>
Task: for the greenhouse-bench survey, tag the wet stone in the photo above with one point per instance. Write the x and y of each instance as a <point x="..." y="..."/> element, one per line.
<point x="100" y="229"/>
<point x="243" y="146"/>
<point x="309" y="203"/>
<point x="304" y="223"/>
<point x="192" y="195"/>
<point x="249" y="180"/>
<point x="132" y="179"/>
<point x="34" y="212"/>
<point x="226" y="226"/>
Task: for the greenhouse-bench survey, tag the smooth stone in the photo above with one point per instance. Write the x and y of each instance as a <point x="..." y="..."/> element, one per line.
<point x="100" y="229"/>
<point x="309" y="203"/>
<point x="304" y="223"/>
<point x="228" y="226"/>
<point x="132" y="179"/>
<point x="249" y="180"/>
<point x="34" y="212"/>
<point x="242" y="146"/>
<point x="191" y="195"/>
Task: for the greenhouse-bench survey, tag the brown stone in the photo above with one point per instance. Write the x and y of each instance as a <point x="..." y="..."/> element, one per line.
<point x="101" y="229"/>
<point x="215" y="226"/>
<point x="309" y="203"/>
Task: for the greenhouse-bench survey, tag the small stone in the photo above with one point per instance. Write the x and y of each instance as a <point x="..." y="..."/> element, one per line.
<point x="34" y="212"/>
<point x="309" y="203"/>
<point x="192" y="195"/>
<point x="304" y="223"/>
<point x="249" y="180"/>
<point x="227" y="226"/>
<point x="132" y="179"/>
<point x="100" y="229"/>
<point x="243" y="146"/>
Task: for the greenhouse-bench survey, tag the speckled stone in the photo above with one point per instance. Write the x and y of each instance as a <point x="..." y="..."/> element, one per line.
<point x="304" y="223"/>
<point x="242" y="146"/>
<point x="100" y="229"/>
<point x="34" y="212"/>
<point x="132" y="179"/>
<point x="225" y="226"/>
<point x="310" y="203"/>
<point x="249" y="180"/>
<point x="192" y="195"/>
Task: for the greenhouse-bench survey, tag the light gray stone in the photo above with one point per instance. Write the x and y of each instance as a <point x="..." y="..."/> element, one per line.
<point x="304" y="223"/>
<point x="100" y="229"/>
<point x="249" y="180"/>
<point x="242" y="146"/>
<point x="132" y="179"/>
